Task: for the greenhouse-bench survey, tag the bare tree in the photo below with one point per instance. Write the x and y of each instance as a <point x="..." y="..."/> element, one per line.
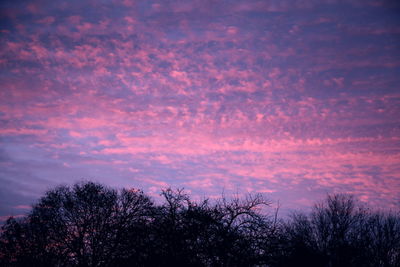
<point x="89" y="224"/>
<point x="81" y="226"/>
<point x="383" y="240"/>
<point x="339" y="232"/>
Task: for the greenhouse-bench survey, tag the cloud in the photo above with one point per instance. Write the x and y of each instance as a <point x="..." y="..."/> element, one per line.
<point x="287" y="98"/>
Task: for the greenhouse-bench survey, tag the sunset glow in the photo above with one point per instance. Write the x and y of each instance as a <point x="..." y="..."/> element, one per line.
<point x="290" y="98"/>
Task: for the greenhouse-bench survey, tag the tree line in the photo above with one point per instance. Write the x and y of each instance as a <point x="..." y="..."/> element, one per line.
<point x="89" y="224"/>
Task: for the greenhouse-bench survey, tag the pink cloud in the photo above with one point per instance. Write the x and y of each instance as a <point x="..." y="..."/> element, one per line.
<point x="47" y="20"/>
<point x="210" y="97"/>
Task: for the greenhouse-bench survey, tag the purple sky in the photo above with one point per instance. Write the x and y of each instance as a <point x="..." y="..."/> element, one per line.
<point x="291" y="98"/>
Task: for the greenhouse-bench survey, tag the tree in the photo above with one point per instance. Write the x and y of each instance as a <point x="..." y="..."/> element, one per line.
<point x="335" y="222"/>
<point x="86" y="225"/>
<point x="338" y="232"/>
<point x="204" y="234"/>
<point x="383" y="240"/>
<point x="89" y="224"/>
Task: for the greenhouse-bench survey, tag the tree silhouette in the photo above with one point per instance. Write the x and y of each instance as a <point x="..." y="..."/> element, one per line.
<point x="84" y="226"/>
<point x="89" y="224"/>
<point x="382" y="239"/>
<point x="201" y="234"/>
<point x="340" y="233"/>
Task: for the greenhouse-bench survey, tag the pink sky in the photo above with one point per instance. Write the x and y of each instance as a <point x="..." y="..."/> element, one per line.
<point x="293" y="99"/>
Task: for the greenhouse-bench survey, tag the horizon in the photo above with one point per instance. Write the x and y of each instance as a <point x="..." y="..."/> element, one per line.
<point x="291" y="99"/>
<point x="270" y="208"/>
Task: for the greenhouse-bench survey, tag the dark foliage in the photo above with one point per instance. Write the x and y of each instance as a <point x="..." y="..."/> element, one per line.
<point x="92" y="225"/>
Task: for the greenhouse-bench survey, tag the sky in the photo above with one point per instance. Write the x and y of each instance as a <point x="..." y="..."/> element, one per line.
<point x="293" y="99"/>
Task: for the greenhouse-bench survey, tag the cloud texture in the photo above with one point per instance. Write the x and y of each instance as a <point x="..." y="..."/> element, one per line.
<point x="294" y="99"/>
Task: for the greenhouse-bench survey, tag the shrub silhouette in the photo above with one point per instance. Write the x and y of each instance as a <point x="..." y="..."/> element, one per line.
<point x="89" y="224"/>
